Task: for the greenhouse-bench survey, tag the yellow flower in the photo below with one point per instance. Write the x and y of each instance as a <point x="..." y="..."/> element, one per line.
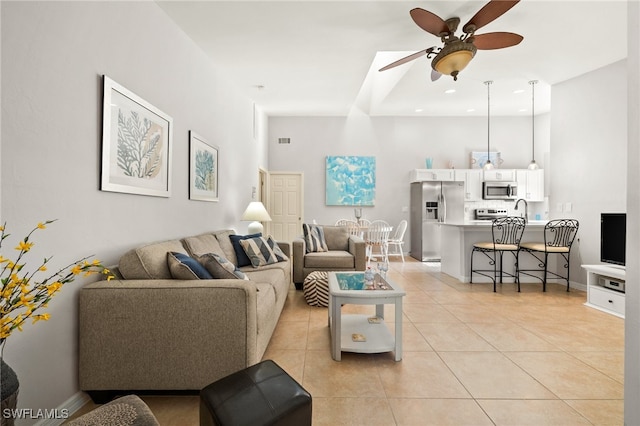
<point x="41" y="225"/>
<point x="53" y="287"/>
<point x="76" y="269"/>
<point x="41" y="317"/>
<point x="24" y="246"/>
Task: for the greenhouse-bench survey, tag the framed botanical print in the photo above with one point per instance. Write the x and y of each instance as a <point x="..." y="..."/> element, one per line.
<point x="203" y="169"/>
<point x="136" y="144"/>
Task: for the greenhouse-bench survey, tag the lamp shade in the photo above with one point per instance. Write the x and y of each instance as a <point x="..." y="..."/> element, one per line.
<point x="256" y="212"/>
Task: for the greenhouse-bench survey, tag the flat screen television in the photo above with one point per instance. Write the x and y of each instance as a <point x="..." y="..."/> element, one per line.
<point x="613" y="231"/>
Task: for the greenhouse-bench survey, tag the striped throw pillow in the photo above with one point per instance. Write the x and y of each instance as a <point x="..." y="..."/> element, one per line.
<point x="277" y="250"/>
<point x="314" y="238"/>
<point x="258" y="251"/>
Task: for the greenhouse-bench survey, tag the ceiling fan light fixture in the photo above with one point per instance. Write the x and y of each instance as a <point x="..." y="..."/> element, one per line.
<point x="453" y="58"/>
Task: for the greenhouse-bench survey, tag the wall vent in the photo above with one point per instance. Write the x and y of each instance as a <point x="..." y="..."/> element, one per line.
<point x="284" y="140"/>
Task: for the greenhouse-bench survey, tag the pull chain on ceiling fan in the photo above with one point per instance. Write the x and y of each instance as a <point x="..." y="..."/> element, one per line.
<point x="457" y="52"/>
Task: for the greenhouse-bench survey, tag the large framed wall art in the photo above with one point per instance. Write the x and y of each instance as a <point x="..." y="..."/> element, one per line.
<point x="350" y="181"/>
<point x="203" y="169"/>
<point x="136" y="144"/>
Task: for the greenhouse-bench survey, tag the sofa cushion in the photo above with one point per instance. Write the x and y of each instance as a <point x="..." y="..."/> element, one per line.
<point x="184" y="267"/>
<point x="149" y="261"/>
<point x="336" y="237"/>
<point x="314" y="238"/>
<point x="259" y="251"/>
<point x="330" y="259"/>
<point x="220" y="268"/>
<point x="241" y="256"/>
<point x="202" y="244"/>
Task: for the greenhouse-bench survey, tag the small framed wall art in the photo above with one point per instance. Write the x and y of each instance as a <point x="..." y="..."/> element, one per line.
<point x="203" y="169"/>
<point x="136" y="144"/>
<point x="478" y="158"/>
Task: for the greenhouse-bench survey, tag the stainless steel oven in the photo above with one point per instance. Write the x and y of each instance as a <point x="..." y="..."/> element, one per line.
<point x="492" y="190"/>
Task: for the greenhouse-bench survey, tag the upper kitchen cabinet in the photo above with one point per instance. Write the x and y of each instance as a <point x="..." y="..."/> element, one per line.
<point x="530" y="184"/>
<point x="427" y="175"/>
<point x="506" y="175"/>
<point x="472" y="179"/>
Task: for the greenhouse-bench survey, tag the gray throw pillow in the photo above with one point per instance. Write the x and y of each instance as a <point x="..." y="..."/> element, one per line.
<point x="220" y="268"/>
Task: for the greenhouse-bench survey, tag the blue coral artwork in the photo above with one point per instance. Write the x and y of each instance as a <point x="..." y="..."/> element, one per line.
<point x="203" y="169"/>
<point x="351" y="181"/>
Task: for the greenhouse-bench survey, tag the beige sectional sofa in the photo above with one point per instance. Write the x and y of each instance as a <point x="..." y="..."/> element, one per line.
<point x="148" y="331"/>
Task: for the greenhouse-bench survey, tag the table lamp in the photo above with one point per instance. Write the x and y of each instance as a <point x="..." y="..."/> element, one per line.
<point x="257" y="213"/>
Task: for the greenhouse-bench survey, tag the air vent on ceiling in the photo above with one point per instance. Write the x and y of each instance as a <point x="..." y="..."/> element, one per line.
<point x="284" y="140"/>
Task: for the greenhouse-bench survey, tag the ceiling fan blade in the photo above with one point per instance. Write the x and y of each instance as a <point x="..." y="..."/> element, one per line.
<point x="429" y="22"/>
<point x="490" y="41"/>
<point x="491" y="11"/>
<point x="435" y="75"/>
<point x="407" y="59"/>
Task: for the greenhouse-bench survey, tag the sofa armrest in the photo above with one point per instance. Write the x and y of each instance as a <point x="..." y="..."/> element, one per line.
<point x="358" y="248"/>
<point x="285" y="247"/>
<point x="299" y="250"/>
<point x="165" y="334"/>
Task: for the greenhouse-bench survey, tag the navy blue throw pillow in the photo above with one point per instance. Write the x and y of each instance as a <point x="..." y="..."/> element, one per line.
<point x="243" y="259"/>
<point x="183" y="266"/>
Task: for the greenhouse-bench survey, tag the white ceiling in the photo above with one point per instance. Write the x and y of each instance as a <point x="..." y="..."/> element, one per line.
<point x="322" y="57"/>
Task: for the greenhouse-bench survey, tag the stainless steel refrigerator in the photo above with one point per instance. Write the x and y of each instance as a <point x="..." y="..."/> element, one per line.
<point x="431" y="204"/>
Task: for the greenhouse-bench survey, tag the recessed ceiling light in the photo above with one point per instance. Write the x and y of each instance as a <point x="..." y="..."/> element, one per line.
<point x="450" y="91"/>
<point x="419" y="110"/>
<point x="522" y="110"/>
<point x="471" y="110"/>
<point x="518" y="91"/>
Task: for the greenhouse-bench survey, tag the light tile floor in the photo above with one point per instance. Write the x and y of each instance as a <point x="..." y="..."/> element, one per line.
<point x="471" y="357"/>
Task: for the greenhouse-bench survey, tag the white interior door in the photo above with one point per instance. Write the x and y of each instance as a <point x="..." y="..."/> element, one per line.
<point x="285" y="205"/>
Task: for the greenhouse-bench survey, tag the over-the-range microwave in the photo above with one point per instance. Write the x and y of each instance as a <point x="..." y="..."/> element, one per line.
<point x="492" y="190"/>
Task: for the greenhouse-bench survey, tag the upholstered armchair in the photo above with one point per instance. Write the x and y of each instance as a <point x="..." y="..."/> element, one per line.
<point x="344" y="252"/>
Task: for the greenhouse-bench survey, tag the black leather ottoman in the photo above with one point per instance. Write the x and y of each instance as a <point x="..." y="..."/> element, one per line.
<point x="263" y="394"/>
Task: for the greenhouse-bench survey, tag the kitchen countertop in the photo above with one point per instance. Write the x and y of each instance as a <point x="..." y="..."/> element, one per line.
<point x="487" y="223"/>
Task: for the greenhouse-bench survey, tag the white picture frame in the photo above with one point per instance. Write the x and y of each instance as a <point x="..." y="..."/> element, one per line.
<point x="136" y="144"/>
<point x="203" y="169"/>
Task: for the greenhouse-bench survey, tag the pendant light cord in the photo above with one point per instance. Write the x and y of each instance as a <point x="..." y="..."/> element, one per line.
<point x="533" y="126"/>
<point x="488" y="83"/>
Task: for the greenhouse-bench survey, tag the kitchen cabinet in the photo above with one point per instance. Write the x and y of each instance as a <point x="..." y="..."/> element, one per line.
<point x="530" y="184"/>
<point x="506" y="175"/>
<point x="426" y="175"/>
<point x="472" y="179"/>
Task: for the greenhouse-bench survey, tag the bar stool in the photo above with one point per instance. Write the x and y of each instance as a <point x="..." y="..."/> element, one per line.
<point x="506" y="234"/>
<point x="558" y="238"/>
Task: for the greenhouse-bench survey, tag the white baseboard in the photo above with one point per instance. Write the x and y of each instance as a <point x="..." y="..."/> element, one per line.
<point x="70" y="406"/>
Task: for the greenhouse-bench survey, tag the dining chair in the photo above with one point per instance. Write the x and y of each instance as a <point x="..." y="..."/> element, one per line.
<point x="506" y="233"/>
<point x="397" y="240"/>
<point x="558" y="236"/>
<point x="377" y="237"/>
<point x="352" y="226"/>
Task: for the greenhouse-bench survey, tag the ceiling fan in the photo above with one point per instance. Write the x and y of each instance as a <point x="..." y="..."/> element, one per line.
<point x="457" y="52"/>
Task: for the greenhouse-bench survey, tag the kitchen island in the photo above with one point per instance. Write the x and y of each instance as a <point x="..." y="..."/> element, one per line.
<point x="457" y="239"/>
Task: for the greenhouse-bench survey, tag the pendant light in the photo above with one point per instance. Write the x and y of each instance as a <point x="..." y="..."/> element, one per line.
<point x="533" y="165"/>
<point x="488" y="165"/>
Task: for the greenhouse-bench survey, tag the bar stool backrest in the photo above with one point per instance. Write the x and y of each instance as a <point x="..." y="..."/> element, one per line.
<point x="507" y="230"/>
<point x="560" y="232"/>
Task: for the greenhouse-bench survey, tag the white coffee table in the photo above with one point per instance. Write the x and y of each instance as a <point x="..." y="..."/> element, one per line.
<point x="348" y="288"/>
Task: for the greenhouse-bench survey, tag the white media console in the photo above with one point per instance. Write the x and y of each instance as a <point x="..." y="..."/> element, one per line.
<point x="605" y="288"/>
